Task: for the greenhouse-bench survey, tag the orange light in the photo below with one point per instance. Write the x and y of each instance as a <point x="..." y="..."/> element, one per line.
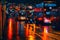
<point x="23" y="18"/>
<point x="45" y="33"/>
<point x="31" y="37"/>
<point x="26" y="31"/>
<point x="44" y="9"/>
<point x="45" y="29"/>
<point x="40" y="19"/>
<point x="30" y="29"/>
<point x="10" y="29"/>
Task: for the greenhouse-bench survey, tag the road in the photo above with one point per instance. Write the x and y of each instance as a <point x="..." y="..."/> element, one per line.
<point x="51" y="36"/>
<point x="37" y="35"/>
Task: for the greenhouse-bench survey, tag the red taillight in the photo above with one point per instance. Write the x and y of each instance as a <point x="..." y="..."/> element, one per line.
<point x="40" y="19"/>
<point x="37" y="9"/>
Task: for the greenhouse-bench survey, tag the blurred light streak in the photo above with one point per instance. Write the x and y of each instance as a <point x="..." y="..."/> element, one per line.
<point x="1" y="24"/>
<point x="39" y="35"/>
<point x="34" y="29"/>
<point x="4" y="15"/>
<point x="31" y="37"/>
<point x="17" y="27"/>
<point x="17" y="31"/>
<point x="45" y="32"/>
<point x="10" y="29"/>
<point x="17" y="38"/>
<point x="30" y="30"/>
<point x="27" y="31"/>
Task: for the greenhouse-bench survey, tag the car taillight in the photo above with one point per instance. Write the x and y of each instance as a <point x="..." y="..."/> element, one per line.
<point x="37" y="9"/>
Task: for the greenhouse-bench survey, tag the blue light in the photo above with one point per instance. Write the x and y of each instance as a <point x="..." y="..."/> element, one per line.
<point x="40" y="5"/>
<point x="30" y="19"/>
<point x="47" y="13"/>
<point x="50" y="5"/>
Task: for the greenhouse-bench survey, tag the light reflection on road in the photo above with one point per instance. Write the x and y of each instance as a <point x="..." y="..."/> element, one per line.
<point x="31" y="37"/>
<point x="10" y="29"/>
<point x="45" y="33"/>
